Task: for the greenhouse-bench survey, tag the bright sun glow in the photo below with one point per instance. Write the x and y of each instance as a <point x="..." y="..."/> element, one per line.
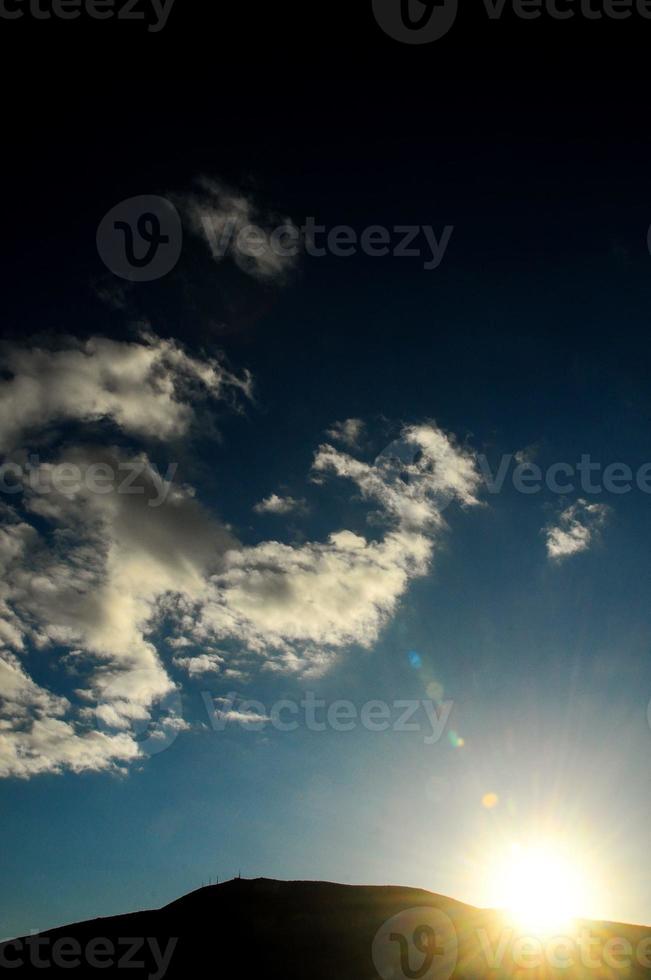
<point x="539" y="888"/>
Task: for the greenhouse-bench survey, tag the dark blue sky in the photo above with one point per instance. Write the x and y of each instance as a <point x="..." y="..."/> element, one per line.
<point x="530" y="338"/>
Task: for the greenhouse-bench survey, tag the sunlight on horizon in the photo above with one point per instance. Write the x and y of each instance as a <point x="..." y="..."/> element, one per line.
<point x="539" y="887"/>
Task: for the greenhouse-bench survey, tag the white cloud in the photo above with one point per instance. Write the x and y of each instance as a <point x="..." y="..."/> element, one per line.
<point x="224" y="710"/>
<point x="35" y="738"/>
<point x="297" y="606"/>
<point x="264" y="246"/>
<point x="95" y="583"/>
<point x="98" y="572"/>
<point x="203" y="663"/>
<point x="145" y="388"/>
<point x="348" y="433"/>
<point x="89" y="570"/>
<point x="279" y="505"/>
<point x="575" y="529"/>
<point x="415" y="477"/>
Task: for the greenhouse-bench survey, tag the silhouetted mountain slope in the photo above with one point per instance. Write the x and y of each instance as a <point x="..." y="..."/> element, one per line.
<point x="317" y="931"/>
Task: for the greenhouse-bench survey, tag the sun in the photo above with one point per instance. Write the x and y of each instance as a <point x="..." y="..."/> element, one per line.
<point x="539" y="888"/>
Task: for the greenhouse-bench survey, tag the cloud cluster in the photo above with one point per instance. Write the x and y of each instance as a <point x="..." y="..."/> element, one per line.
<point x="297" y="606"/>
<point x="90" y="580"/>
<point x="36" y="738"/>
<point x="575" y="529"/>
<point x="87" y="570"/>
<point x="93" y="583"/>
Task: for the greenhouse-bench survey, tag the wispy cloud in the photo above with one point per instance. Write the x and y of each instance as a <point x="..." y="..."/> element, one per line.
<point x="348" y="433"/>
<point x="575" y="529"/>
<point x="231" y="224"/>
<point x="414" y="479"/>
<point x="225" y="710"/>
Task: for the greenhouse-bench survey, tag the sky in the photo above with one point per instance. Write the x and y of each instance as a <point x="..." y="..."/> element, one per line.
<point x="313" y="565"/>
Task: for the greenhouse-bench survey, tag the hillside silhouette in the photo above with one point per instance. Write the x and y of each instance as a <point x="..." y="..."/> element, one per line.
<point x="313" y="931"/>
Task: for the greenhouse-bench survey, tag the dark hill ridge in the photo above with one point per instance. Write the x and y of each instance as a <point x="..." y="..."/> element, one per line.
<point x="305" y="930"/>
